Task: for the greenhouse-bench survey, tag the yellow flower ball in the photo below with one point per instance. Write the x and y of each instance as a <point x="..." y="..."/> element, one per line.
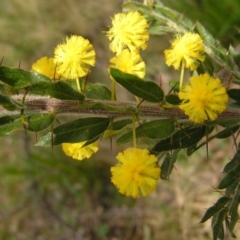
<point x="130" y="62"/>
<point x="129" y="30"/>
<point x="187" y="49"/>
<point x="77" y="151"/>
<point x="74" y="57"/>
<point x="137" y="172"/>
<point x="45" y="66"/>
<point x="204" y="98"/>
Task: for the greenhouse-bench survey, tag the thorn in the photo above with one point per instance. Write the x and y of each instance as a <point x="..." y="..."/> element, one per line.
<point x="230" y="81"/>
<point x="85" y="83"/>
<point x="52" y="137"/>
<point x="19" y="64"/>
<point x="160" y="80"/>
<point x="140" y="103"/>
<point x="1" y="61"/>
<point x="36" y="136"/>
<point x="55" y="71"/>
<point x="172" y="88"/>
<point x="235" y="141"/>
<point x="207" y="144"/>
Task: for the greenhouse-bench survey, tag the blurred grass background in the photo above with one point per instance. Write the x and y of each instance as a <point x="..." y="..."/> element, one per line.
<point x="46" y="195"/>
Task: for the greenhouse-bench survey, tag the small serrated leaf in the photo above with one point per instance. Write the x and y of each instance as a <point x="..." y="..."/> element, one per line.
<point x="146" y="90"/>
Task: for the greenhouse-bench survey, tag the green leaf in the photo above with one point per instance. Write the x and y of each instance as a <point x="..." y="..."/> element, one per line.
<point x="233" y="163"/>
<point x="217" y="224"/>
<point x="215" y="208"/>
<point x="181" y="139"/>
<point x="227" y="132"/>
<point x="173" y="99"/>
<point x="234" y="94"/>
<point x="38" y="122"/>
<point x="8" y="103"/>
<point x="118" y="125"/>
<point x="97" y="91"/>
<point x="227" y="123"/>
<point x="168" y="164"/>
<point x="146" y="90"/>
<point x="57" y="89"/>
<point x="156" y="129"/>
<point x="230" y="178"/>
<point x="10" y="124"/>
<point x="19" y="78"/>
<point x="229" y="227"/>
<point x="85" y="129"/>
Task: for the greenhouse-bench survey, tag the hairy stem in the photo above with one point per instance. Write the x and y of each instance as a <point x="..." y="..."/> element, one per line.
<point x="39" y="104"/>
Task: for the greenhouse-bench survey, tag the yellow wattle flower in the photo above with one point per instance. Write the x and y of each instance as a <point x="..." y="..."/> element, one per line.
<point x="129" y="30"/>
<point x="137" y="172"/>
<point x="130" y="62"/>
<point x="187" y="49"/>
<point x="204" y="98"/>
<point x="74" y="57"/>
<point x="77" y="151"/>
<point x="45" y="66"/>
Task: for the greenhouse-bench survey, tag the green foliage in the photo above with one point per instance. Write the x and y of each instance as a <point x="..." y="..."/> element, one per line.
<point x="146" y="90"/>
<point x="183" y="138"/>
<point x="84" y="129"/>
<point x="18" y="78"/>
<point x="56" y="89"/>
<point x="32" y="102"/>
<point x="150" y="130"/>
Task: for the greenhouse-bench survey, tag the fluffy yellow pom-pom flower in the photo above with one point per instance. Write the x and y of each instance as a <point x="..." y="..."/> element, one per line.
<point x="130" y="62"/>
<point x="129" y="30"/>
<point x="45" y="66"/>
<point x="137" y="172"/>
<point x="204" y="98"/>
<point x="77" y="151"/>
<point x="187" y="49"/>
<point x="74" y="57"/>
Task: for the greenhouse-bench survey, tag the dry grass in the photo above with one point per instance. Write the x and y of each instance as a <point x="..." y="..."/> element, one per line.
<point x="45" y="195"/>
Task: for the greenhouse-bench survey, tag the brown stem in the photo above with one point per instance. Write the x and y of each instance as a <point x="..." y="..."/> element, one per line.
<point x="38" y="104"/>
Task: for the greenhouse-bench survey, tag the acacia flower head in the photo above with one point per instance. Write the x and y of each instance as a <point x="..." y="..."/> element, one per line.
<point x="129" y="30"/>
<point x="78" y="151"/>
<point x="74" y="57"/>
<point x="130" y="62"/>
<point x="137" y="172"/>
<point x="45" y="66"/>
<point x="187" y="49"/>
<point x="204" y="98"/>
